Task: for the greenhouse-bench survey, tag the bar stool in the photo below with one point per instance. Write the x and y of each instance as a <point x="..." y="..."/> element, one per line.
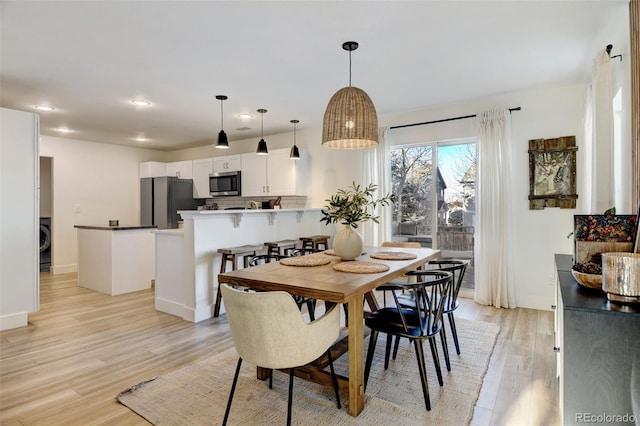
<point x="274" y="247"/>
<point x="231" y="254"/>
<point x="314" y="242"/>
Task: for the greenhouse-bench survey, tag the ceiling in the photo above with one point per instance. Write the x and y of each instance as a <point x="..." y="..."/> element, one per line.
<point x="89" y="59"/>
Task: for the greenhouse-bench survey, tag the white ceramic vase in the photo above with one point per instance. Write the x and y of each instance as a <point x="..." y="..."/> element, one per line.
<point x="347" y="243"/>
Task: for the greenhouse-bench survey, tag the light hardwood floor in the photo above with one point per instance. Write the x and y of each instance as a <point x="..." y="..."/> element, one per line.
<point x="82" y="348"/>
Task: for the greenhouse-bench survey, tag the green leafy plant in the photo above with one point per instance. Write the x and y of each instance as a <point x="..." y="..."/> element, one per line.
<point x="354" y="204"/>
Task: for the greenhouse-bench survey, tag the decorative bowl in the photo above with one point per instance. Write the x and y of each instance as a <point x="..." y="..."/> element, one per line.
<point x="593" y="281"/>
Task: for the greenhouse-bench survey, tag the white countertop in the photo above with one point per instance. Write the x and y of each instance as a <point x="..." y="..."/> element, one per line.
<point x="184" y="213"/>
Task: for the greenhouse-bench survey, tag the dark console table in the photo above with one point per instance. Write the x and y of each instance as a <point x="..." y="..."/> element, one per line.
<point x="598" y="347"/>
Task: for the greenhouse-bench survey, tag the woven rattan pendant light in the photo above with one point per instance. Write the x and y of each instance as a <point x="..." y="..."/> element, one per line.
<point x="350" y="120"/>
<point x="223" y="142"/>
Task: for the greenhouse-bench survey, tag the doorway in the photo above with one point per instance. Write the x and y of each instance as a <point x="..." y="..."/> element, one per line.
<point x="46" y="213"/>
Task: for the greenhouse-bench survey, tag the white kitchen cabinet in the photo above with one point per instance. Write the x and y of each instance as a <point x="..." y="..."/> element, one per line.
<point x="229" y="163"/>
<point x="201" y="171"/>
<point x="254" y="175"/>
<point x="152" y="169"/>
<point x="180" y="169"/>
<point x="274" y="174"/>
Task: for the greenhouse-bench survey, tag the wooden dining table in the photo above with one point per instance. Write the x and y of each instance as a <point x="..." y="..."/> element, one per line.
<point x="325" y="283"/>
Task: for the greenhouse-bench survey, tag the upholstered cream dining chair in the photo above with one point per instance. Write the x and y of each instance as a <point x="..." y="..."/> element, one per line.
<point x="269" y="331"/>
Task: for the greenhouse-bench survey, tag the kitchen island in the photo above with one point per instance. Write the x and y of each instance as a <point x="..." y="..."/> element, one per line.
<point x="115" y="259"/>
<point x="187" y="261"/>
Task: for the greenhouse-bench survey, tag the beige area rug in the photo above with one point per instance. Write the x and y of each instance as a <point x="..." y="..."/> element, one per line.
<point x="197" y="394"/>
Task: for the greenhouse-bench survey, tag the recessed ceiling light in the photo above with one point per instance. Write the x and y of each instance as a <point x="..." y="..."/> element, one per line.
<point x="245" y="116"/>
<point x="63" y="130"/>
<point x="140" y="102"/>
<point x="45" y="108"/>
<point x="140" y="139"/>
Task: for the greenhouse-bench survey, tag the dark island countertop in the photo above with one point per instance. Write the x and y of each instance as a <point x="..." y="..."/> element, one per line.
<point x="577" y="297"/>
<point x="115" y="228"/>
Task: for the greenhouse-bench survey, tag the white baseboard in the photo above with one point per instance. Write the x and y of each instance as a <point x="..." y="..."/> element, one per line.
<point x="170" y="307"/>
<point x="540" y="303"/>
<point x="64" y="269"/>
<point x="7" y="322"/>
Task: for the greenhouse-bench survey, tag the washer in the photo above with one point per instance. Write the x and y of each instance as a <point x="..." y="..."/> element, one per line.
<point x="45" y="244"/>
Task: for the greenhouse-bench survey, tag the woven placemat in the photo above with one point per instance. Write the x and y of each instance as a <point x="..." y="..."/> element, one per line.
<point x="358" y="267"/>
<point x="305" y="261"/>
<point x="393" y="255"/>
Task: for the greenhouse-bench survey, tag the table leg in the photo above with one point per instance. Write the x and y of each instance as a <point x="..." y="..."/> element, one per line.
<point x="356" y="355"/>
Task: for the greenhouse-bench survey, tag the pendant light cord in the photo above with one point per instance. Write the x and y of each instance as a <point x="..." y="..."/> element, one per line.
<point x="349" y="68"/>
<point x="221" y="114"/>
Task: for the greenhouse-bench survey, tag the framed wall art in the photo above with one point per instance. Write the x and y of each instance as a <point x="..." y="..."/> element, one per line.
<point x="552" y="173"/>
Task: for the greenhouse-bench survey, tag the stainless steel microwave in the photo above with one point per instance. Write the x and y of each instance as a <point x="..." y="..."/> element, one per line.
<point x="225" y="184"/>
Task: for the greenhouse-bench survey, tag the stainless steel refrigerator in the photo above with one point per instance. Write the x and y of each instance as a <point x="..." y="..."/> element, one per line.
<point x="162" y="197"/>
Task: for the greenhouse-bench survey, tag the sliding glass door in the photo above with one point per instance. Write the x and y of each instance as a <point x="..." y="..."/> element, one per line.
<point x="435" y="205"/>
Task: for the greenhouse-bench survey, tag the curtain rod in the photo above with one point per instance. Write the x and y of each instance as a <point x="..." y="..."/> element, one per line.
<point x="462" y="117"/>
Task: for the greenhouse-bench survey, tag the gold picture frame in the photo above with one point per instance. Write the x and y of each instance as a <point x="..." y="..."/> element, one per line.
<point x="552" y="173"/>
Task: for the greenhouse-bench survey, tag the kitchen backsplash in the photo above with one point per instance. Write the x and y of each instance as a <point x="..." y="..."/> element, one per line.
<point x="285" y="202"/>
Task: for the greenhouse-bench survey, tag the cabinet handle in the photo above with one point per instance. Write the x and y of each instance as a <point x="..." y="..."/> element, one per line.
<point x="553" y="307"/>
<point x="268" y="190"/>
<point x="556" y="349"/>
<point x="264" y="189"/>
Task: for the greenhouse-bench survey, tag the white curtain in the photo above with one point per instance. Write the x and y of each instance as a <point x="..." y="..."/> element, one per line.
<point x="598" y="157"/>
<point x="377" y="169"/>
<point x="493" y="262"/>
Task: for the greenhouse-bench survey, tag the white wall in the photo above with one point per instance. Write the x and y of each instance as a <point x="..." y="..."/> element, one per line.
<point x="19" y="226"/>
<point x="101" y="179"/>
<point x="538" y="233"/>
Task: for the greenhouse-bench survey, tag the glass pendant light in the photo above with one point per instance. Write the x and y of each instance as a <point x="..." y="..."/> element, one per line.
<point x="262" y="145"/>
<point x="350" y="120"/>
<point x="223" y="142"/>
<point x="295" y="153"/>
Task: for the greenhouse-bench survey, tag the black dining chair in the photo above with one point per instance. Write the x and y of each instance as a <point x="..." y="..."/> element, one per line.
<point x="300" y="300"/>
<point x="457" y="267"/>
<point x="418" y="323"/>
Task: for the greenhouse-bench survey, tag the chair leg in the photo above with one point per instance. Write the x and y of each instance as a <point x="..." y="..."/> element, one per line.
<point x="423" y="373"/>
<point x="373" y="338"/>
<point x="454" y="332"/>
<point x="233" y="389"/>
<point x="395" y="347"/>
<point x="311" y="307"/>
<point x="334" y="379"/>
<point x="445" y="347"/>
<point x="436" y="360"/>
<point x="387" y="351"/>
<point x="271" y="379"/>
<point x="290" y="396"/>
<point x="216" y="309"/>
